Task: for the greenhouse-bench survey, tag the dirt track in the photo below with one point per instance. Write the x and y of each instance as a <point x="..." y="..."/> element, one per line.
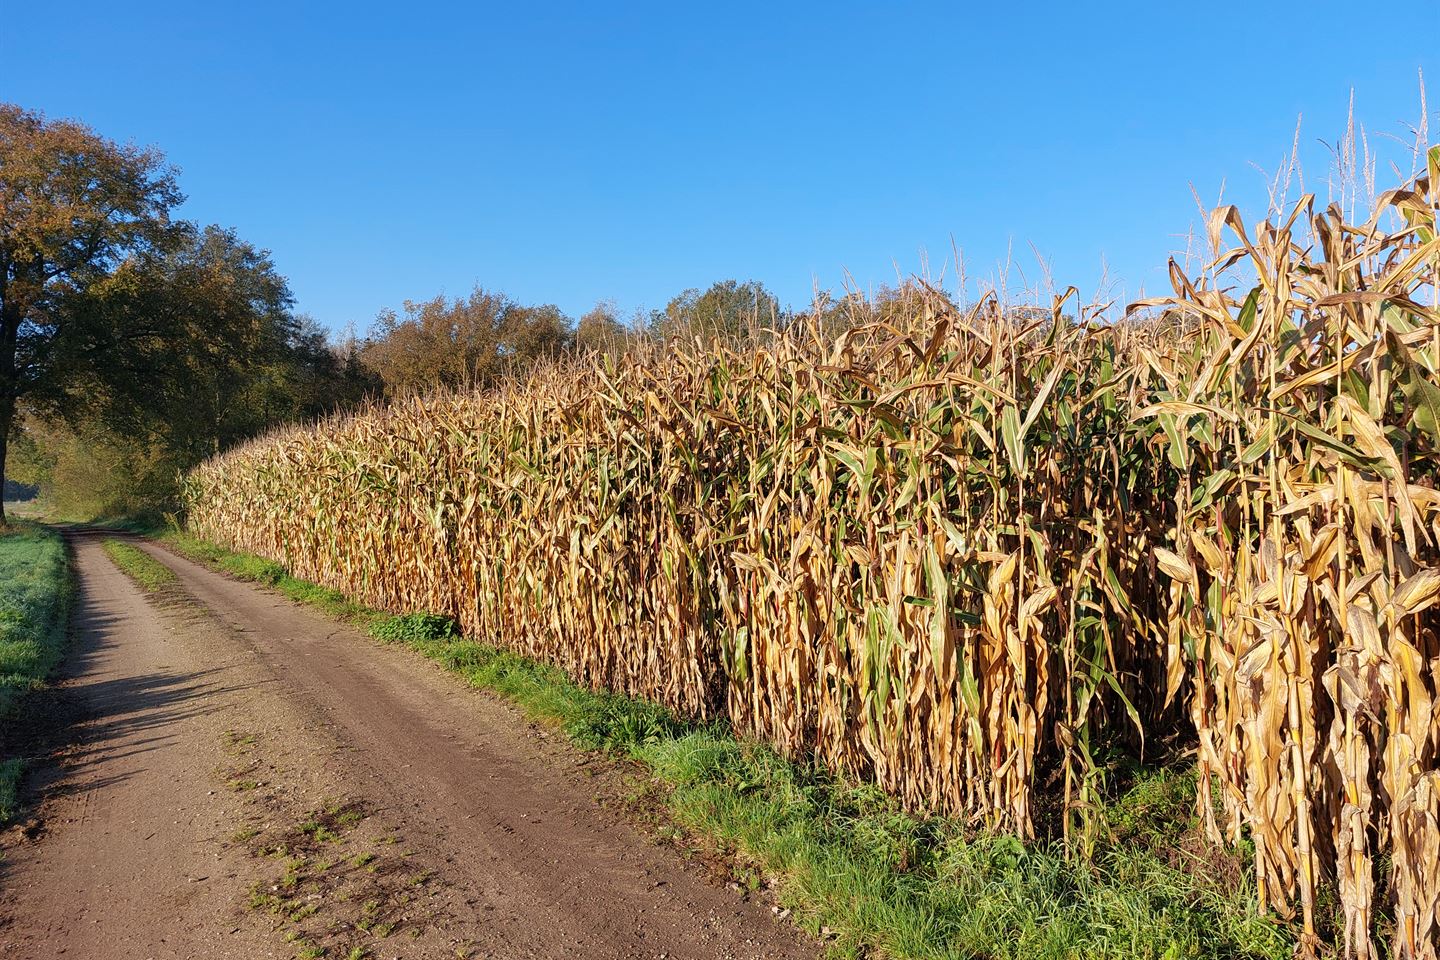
<point x="206" y="730"/>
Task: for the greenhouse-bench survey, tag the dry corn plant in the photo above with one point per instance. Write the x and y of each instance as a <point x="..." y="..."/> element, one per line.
<point x="1305" y="421"/>
<point x="970" y="554"/>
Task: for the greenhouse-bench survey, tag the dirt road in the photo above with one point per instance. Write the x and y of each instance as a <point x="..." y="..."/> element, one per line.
<point x="249" y="779"/>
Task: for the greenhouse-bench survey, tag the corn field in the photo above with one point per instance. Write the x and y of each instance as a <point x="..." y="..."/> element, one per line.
<point x="971" y="554"/>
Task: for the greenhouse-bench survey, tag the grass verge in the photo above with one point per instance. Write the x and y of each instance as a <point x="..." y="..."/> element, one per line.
<point x="852" y="867"/>
<point x="35" y="593"/>
<point x="152" y="575"/>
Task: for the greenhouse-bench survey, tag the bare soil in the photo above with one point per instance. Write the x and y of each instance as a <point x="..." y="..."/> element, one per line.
<point x="241" y="777"/>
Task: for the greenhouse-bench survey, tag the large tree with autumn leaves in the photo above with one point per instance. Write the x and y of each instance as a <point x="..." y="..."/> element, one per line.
<point x="118" y="317"/>
<point x="73" y="207"/>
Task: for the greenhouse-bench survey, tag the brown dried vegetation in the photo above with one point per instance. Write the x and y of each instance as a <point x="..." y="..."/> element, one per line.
<point x="969" y="554"/>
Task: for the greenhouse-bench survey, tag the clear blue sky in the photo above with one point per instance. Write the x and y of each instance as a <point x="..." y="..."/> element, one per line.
<point x="568" y="153"/>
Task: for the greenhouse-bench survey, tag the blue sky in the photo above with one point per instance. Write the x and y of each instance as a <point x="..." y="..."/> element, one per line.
<point x="569" y="153"/>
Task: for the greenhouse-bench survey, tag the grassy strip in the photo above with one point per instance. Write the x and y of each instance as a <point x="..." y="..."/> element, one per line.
<point x="152" y="575"/>
<point x="853" y="867"/>
<point x="10" y="773"/>
<point x="35" y="593"/>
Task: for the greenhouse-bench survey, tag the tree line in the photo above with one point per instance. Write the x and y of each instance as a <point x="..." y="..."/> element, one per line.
<point x="134" y="343"/>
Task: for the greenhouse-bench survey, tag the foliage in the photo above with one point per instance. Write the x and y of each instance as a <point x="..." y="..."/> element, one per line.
<point x="600" y="331"/>
<point x="155" y="341"/>
<point x="461" y="343"/>
<point x="88" y="471"/>
<point x="414" y="628"/>
<point x="214" y="354"/>
<point x="726" y="309"/>
<point x="72" y="207"/>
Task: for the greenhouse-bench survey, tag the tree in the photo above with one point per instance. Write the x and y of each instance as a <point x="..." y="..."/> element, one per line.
<point x="203" y="351"/>
<point x="474" y="341"/>
<point x="436" y="342"/>
<point x="834" y="315"/>
<point x="727" y="309"/>
<point x="528" y="334"/>
<point x="73" y="206"/>
<point x="86" y="470"/>
<point x="198" y="342"/>
<point x="890" y="304"/>
<point x="320" y="377"/>
<point x="600" y="330"/>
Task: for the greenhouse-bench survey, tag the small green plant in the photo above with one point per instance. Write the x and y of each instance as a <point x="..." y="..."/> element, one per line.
<point x="294" y="873"/>
<point x="348" y="818"/>
<point x="260" y="899"/>
<point x="237" y="741"/>
<point x="10" y="771"/>
<point x="318" y="830"/>
<point x="414" y="629"/>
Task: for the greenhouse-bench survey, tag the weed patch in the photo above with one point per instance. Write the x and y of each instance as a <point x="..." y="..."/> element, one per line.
<point x="324" y="864"/>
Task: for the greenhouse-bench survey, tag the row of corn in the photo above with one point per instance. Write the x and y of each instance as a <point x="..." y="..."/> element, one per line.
<point x="975" y="555"/>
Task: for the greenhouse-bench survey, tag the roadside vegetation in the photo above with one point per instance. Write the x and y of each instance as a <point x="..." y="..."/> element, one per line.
<point x="152" y="575"/>
<point x="35" y="595"/>
<point x="850" y="864"/>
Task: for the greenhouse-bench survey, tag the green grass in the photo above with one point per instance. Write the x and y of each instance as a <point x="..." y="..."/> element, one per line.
<point x="34" y="608"/>
<point x="923" y="887"/>
<point x="852" y="866"/>
<point x="10" y="772"/>
<point x="152" y="575"/>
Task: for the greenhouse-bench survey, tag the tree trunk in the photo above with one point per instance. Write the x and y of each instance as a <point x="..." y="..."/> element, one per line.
<point x="7" y="417"/>
<point x="10" y="314"/>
